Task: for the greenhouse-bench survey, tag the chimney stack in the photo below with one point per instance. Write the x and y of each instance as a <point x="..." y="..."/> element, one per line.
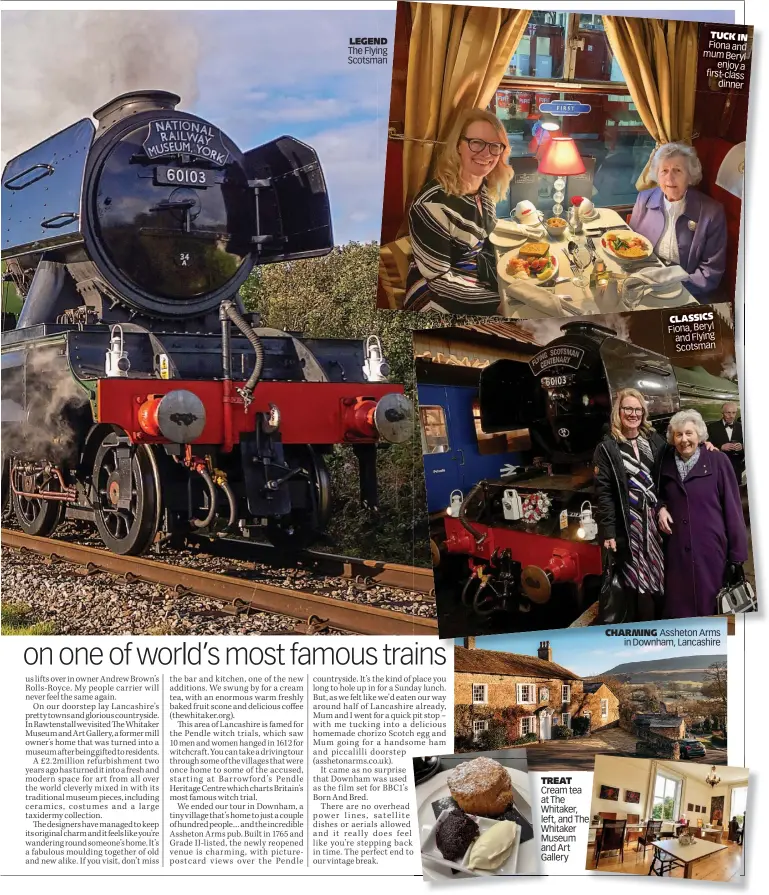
<point x="469" y="642"/>
<point x="544" y="651"/>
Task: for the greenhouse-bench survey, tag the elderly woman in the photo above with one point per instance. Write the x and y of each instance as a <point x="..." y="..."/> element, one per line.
<point x="626" y="501"/>
<point x="454" y="268"/>
<point x="701" y="513"/>
<point x="685" y="226"/>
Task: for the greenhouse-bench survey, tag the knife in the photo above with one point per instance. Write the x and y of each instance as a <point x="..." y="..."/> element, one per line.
<point x="554" y="282"/>
<point x="601" y="230"/>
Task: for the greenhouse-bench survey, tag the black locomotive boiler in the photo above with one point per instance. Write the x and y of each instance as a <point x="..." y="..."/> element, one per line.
<point x="136" y="391"/>
<point x="530" y="538"/>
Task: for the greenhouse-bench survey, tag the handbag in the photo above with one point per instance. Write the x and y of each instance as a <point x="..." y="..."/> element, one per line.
<point x="616" y="605"/>
<point x="736" y="595"/>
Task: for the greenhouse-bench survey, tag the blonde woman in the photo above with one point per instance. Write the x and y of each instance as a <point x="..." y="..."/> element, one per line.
<point x="453" y="268"/>
<point x="624" y="465"/>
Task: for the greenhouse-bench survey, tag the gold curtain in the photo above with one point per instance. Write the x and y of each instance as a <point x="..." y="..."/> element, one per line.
<point x="659" y="61"/>
<point x="457" y="57"/>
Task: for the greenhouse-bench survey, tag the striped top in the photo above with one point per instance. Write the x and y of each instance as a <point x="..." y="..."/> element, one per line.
<point x="454" y="267"/>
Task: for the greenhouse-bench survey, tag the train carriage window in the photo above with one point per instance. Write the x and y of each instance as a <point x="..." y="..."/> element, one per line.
<point x="435" y="436"/>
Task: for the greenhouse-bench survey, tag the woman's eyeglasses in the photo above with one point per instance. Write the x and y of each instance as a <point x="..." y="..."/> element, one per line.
<point x="477" y="146"/>
<point x="632" y="411"/>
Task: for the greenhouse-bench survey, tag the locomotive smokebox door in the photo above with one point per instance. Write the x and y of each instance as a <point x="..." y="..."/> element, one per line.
<point x="169" y="215"/>
<point x="292" y="208"/>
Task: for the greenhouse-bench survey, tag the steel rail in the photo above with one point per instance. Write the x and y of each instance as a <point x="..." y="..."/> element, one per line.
<point x="362" y="571"/>
<point x="354" y="618"/>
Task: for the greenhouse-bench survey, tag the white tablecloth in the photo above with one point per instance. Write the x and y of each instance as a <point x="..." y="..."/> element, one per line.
<point x="581" y="299"/>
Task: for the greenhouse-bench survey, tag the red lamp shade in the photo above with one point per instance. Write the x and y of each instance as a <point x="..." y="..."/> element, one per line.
<point x="560" y="157"/>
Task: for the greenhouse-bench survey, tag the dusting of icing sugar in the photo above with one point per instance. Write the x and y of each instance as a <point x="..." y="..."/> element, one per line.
<point x="480" y="775"/>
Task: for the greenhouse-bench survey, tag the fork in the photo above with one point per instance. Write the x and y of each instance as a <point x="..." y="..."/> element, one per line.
<point x="591" y="249"/>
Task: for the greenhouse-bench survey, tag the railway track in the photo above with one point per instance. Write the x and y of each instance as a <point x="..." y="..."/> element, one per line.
<point x="315" y="611"/>
<point x="362" y="571"/>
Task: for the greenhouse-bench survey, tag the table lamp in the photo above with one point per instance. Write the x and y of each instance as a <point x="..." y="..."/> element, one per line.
<point x="561" y="158"/>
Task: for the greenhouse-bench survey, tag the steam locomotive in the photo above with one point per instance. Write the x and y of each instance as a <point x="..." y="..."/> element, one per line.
<point x="530" y="538"/>
<point x="137" y="393"/>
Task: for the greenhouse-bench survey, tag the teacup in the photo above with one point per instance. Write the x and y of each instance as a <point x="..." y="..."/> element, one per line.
<point x="586" y="208"/>
<point x="526" y="212"/>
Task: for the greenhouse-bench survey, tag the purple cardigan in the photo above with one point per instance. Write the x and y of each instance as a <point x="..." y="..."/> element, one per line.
<point x="700" y="234"/>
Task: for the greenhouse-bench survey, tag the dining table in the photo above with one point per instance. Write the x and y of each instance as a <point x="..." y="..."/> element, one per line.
<point x="688" y="855"/>
<point x="585" y="300"/>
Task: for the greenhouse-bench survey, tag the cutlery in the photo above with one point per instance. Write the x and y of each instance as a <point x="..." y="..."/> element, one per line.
<point x="570" y="309"/>
<point x="554" y="282"/>
<point x="598" y="231"/>
<point x="591" y="249"/>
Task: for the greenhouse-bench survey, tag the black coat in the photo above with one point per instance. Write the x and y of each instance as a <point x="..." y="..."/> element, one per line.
<point x="611" y="489"/>
<point x="717" y="435"/>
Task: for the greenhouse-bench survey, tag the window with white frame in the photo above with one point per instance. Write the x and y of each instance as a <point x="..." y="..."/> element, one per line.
<point x="666" y="802"/>
<point x="544" y="694"/>
<point x="480" y="694"/>
<point x="604" y="709"/>
<point x="739" y="803"/>
<point x="478" y="728"/>
<point x="528" y="725"/>
<point x="566" y="719"/>
<point x="525" y="694"/>
<point x="566" y="693"/>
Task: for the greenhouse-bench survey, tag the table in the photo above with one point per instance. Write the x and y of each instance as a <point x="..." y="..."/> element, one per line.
<point x="583" y="301"/>
<point x="688" y="854"/>
<point x="712" y="834"/>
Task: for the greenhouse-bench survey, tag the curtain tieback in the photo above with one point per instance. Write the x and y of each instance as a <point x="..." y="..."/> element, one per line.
<point x="392" y="134"/>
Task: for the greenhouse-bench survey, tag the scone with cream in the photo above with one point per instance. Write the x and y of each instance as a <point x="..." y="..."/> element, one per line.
<point x="481" y="786"/>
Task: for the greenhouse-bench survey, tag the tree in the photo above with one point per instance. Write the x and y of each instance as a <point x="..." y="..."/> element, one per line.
<point x="715" y="689"/>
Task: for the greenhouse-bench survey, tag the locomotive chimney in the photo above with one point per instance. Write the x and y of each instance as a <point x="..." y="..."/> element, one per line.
<point x="132" y="104"/>
<point x="544" y="651"/>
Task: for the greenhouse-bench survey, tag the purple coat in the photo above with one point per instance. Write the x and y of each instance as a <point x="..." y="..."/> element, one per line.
<point x="708" y="531"/>
<point x="700" y="235"/>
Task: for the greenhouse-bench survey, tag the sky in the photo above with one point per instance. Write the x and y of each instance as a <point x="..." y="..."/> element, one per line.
<point x="256" y="74"/>
<point x="590" y="651"/>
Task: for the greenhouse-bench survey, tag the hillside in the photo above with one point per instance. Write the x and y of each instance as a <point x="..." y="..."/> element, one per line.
<point x="679" y="668"/>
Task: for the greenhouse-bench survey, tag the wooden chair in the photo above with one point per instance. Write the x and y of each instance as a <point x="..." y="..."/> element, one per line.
<point x="663" y="863"/>
<point x="649" y="835"/>
<point x="632" y="835"/>
<point x="611" y="837"/>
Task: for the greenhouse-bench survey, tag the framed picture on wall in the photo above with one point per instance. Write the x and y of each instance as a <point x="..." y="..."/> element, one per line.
<point x="632" y="797"/>
<point x="690" y="807"/>
<point x="609" y="792"/>
<point x="697" y="809"/>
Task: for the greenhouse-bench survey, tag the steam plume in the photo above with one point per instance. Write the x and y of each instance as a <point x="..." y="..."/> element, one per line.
<point x="58" y="66"/>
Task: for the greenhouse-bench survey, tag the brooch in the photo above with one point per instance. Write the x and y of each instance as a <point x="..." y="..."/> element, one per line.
<point x="692" y="225"/>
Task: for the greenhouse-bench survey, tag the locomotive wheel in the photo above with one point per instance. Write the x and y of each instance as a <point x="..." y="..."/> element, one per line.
<point x="130" y="531"/>
<point x="302" y="526"/>
<point x="37" y="517"/>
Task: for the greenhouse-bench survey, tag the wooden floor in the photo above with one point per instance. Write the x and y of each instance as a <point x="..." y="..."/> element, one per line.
<point x="721" y="867"/>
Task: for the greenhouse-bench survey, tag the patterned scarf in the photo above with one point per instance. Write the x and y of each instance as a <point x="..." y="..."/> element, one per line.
<point x="685" y="466"/>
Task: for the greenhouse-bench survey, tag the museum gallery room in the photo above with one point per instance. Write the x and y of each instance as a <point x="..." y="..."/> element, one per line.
<point x="667" y="818"/>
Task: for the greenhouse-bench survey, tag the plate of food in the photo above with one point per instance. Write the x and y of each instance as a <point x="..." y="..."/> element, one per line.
<point x="626" y="246"/>
<point x="533" y="262"/>
<point x="478" y="846"/>
<point x="460" y="811"/>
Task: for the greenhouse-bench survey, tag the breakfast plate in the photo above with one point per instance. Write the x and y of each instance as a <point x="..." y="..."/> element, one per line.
<point x="626" y="246"/>
<point x="537" y="272"/>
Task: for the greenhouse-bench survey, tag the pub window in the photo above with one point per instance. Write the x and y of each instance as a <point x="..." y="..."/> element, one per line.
<point x="480" y="694"/>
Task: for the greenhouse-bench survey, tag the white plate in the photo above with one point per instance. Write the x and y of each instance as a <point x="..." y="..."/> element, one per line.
<point x="593" y="216"/>
<point x="668" y="291"/>
<point x="437" y="788"/>
<point x="503" y="275"/>
<point x="629" y="234"/>
<point x="507" y="241"/>
<point x="432" y="854"/>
